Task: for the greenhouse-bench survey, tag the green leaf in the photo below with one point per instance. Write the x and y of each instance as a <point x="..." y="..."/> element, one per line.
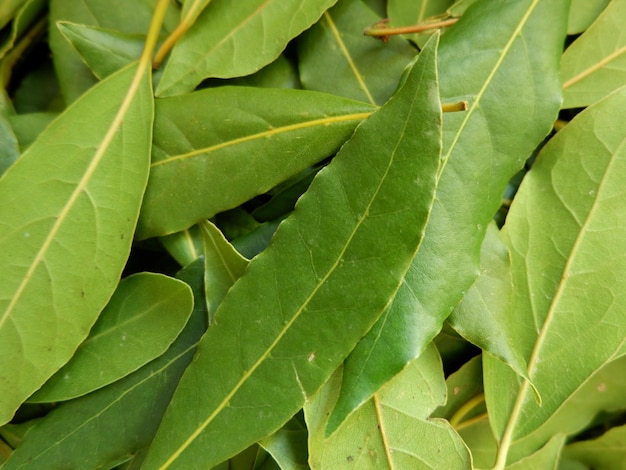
<point x="383" y="432"/>
<point x="120" y="15"/>
<point x="546" y="458"/>
<point x="595" y="64"/>
<point x="227" y="42"/>
<point x="9" y="9"/>
<point x="607" y="452"/>
<point x="79" y="188"/>
<point x="412" y="12"/>
<point x="105" y="51"/>
<point x="566" y="239"/>
<point x="223" y="265"/>
<point x="9" y="150"/>
<point x="184" y="246"/>
<point x="583" y="13"/>
<point x="483" y="148"/>
<point x="215" y="149"/>
<point x="27" y="127"/>
<point x="109" y="425"/>
<point x="484" y="315"/>
<point x="26" y="12"/>
<point x="335" y="57"/>
<point x="358" y="223"/>
<point x="288" y="446"/>
<point x="144" y="316"/>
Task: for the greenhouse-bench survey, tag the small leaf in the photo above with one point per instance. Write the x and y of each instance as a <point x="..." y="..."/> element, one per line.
<point x="565" y="233"/>
<point x="217" y="148"/>
<point x="583" y="13"/>
<point x="105" y="51"/>
<point x="358" y="223"/>
<point x="483" y="148"/>
<point x="288" y="446"/>
<point x="484" y="315"/>
<point x="391" y="430"/>
<point x="547" y="457"/>
<point x="144" y="316"/>
<point x="227" y="42"/>
<point x="223" y="265"/>
<point x="607" y="452"/>
<point x="25" y="12"/>
<point x="79" y="188"/>
<point x="109" y="425"/>
<point x="595" y="64"/>
<point x="335" y="57"/>
<point x="184" y="246"/>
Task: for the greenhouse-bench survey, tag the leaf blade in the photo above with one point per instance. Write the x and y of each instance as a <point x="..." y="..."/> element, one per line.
<point x="283" y="356"/>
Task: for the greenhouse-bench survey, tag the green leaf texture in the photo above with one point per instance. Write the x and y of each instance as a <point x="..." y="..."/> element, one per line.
<point x="217" y="148"/>
<point x="358" y="225"/>
<point x="234" y="38"/>
<point x="144" y="316"/>
<point x="62" y="253"/>
<point x="483" y="148"/>
<point x="565" y="232"/>
<point x="595" y="64"/>
<point x="110" y="425"/>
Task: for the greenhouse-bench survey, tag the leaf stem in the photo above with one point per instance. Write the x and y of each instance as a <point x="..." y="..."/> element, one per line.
<point x="454" y="107"/>
<point x="468" y="406"/>
<point x="382" y="31"/>
<point x="153" y="32"/>
<point x="184" y="25"/>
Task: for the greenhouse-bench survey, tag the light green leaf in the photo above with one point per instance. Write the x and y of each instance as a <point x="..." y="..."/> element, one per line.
<point x="607" y="452"/>
<point x="109" y="425"/>
<point x="359" y="223"/>
<point x="120" y="15"/>
<point x="546" y="458"/>
<point x="144" y="316"/>
<point x="227" y="42"/>
<point x="26" y="12"/>
<point x="223" y="265"/>
<point x="335" y="56"/>
<point x="566" y="235"/>
<point x="595" y="64"/>
<point x="79" y="188"/>
<point x="583" y="13"/>
<point x="483" y="148"/>
<point x="9" y="150"/>
<point x="27" y="127"/>
<point x="288" y="446"/>
<point x="184" y="246"/>
<point x="105" y="51"/>
<point x="217" y="148"/>
<point x="391" y="430"/>
<point x="412" y="12"/>
<point x="281" y="73"/>
<point x="484" y="315"/>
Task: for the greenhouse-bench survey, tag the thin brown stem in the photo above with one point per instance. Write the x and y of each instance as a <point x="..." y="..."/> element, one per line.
<point x="382" y="31"/>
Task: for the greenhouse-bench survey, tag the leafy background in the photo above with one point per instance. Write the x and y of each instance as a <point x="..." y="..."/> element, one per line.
<point x="245" y="235"/>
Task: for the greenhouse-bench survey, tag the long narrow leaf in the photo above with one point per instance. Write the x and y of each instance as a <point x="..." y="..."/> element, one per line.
<point x="483" y="148"/>
<point x="566" y="235"/>
<point x="358" y="226"/>
<point x="78" y="189"/>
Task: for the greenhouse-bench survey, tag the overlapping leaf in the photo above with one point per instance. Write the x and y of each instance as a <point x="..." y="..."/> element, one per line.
<point x="144" y="316"/>
<point x="335" y="56"/>
<point x="358" y="225"/>
<point x="411" y="13"/>
<point x="79" y="188"/>
<point x="483" y="148"/>
<point x="391" y="430"/>
<point x="110" y="425"/>
<point x="595" y="64"/>
<point x="217" y="148"/>
<point x="565" y="232"/>
<point x="606" y="452"/>
<point x="227" y="42"/>
<point x="583" y="13"/>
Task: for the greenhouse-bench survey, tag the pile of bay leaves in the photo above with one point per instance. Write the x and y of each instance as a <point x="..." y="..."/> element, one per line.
<point x="246" y="235"/>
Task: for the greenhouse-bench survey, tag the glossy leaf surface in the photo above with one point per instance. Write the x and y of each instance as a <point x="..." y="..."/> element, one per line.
<point x="230" y="42"/>
<point x="565" y="232"/>
<point x="108" y="426"/>
<point x="335" y="56"/>
<point x="358" y="222"/>
<point x="483" y="147"/>
<point x="62" y="254"/>
<point x="144" y="316"/>
<point x="391" y="430"/>
<point x="595" y="64"/>
<point x="215" y="149"/>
